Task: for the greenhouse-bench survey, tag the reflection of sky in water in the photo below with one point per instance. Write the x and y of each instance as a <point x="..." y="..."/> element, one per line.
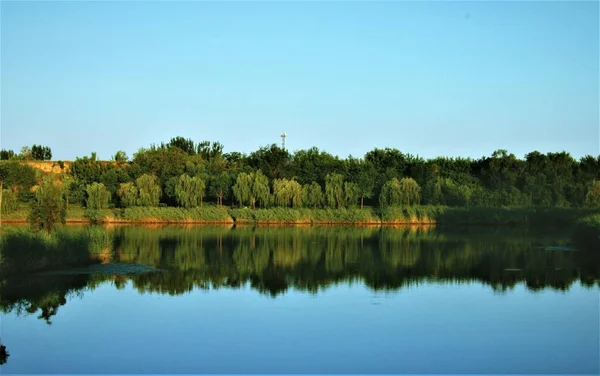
<point x="429" y="328"/>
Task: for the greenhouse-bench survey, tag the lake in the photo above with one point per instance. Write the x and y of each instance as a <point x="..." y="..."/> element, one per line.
<point x="313" y="300"/>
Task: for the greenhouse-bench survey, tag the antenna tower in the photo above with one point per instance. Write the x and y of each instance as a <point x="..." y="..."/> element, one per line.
<point x="283" y="136"/>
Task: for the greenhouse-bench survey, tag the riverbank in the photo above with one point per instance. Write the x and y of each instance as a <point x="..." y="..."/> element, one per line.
<point x="416" y="215"/>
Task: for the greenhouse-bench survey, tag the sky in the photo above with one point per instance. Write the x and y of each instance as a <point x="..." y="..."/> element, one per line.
<point x="428" y="78"/>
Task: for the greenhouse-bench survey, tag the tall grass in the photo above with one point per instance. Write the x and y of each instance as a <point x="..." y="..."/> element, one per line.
<point x="170" y="214"/>
<point x="304" y="215"/>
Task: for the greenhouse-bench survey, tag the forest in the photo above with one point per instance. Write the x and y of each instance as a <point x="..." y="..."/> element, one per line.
<point x="186" y="174"/>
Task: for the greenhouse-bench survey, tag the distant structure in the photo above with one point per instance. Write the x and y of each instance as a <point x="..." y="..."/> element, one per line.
<point x="283" y="136"/>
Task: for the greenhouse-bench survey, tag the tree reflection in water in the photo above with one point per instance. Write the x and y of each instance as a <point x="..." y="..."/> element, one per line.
<point x="272" y="260"/>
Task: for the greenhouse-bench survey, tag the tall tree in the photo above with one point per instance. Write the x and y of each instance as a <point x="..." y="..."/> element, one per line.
<point x="189" y="191"/>
<point x="391" y="193"/>
<point x="128" y="194"/>
<point x="48" y="208"/>
<point x="220" y="185"/>
<point x="592" y="198"/>
<point x="148" y="189"/>
<point x="312" y="195"/>
<point x="334" y="190"/>
<point x="252" y="188"/>
<point x="97" y="196"/>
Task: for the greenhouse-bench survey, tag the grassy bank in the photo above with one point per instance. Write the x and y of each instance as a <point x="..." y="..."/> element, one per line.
<point x="368" y="216"/>
<point x="304" y="216"/>
<point x="24" y="251"/>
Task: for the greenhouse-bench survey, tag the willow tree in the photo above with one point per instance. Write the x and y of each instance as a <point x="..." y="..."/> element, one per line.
<point x="391" y="193"/>
<point x="351" y="194"/>
<point x="97" y="196"/>
<point x="592" y="198"/>
<point x="128" y="194"/>
<point x="312" y="195"/>
<point x="148" y="190"/>
<point x="287" y="192"/>
<point x="334" y="190"/>
<point x="410" y="192"/>
<point x="189" y="191"/>
<point x="48" y="207"/>
<point x="252" y="188"/>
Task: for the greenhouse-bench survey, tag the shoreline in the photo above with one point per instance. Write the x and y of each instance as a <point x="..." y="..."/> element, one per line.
<point x="369" y="217"/>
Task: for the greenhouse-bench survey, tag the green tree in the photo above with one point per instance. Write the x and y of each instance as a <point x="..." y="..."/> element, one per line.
<point x="312" y="195"/>
<point x="185" y="144"/>
<point x="148" y="190"/>
<point x="41" y="153"/>
<point x="391" y="193"/>
<point x="6" y="155"/>
<point x="334" y="190"/>
<point x="592" y="198"/>
<point x="97" y="196"/>
<point x="351" y="194"/>
<point x="120" y="156"/>
<point x="220" y="185"/>
<point x="410" y="192"/>
<point x="48" y="208"/>
<point x="189" y="191"/>
<point x="128" y="194"/>
<point x="364" y="178"/>
<point x="287" y="192"/>
<point x="252" y="188"/>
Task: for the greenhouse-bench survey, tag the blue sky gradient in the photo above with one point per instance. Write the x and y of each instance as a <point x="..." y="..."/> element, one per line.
<point x="428" y="78"/>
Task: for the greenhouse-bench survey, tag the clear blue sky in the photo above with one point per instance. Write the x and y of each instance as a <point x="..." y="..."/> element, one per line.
<point x="428" y="78"/>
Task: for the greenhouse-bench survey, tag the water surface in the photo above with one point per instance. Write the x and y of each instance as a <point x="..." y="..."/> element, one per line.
<point x="314" y="300"/>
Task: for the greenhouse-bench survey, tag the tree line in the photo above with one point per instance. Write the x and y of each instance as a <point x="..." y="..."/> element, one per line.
<point x="33" y="153"/>
<point x="189" y="174"/>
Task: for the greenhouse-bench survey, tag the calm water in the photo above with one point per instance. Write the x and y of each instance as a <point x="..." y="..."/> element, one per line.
<point x="314" y="300"/>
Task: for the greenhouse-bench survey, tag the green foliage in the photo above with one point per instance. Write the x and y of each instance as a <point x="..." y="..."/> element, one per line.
<point x="220" y="185"/>
<point x="9" y="201"/>
<point x="351" y="194"/>
<point x="97" y="196"/>
<point x="120" y="156"/>
<point x="49" y="207"/>
<point x="287" y="193"/>
<point x="185" y="144"/>
<point x="41" y="153"/>
<point x="391" y="193"/>
<point x="252" y="188"/>
<point x="189" y="192"/>
<point x="6" y="155"/>
<point x="305" y="215"/>
<point x="271" y="160"/>
<point x="128" y="194"/>
<point x="157" y="214"/>
<point x="88" y="170"/>
<point x="19" y="177"/>
<point x="592" y="198"/>
<point x="148" y="190"/>
<point x="312" y="195"/>
<point x="334" y="190"/>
